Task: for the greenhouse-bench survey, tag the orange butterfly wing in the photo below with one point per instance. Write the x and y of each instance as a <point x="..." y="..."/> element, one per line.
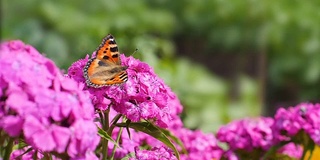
<point x="105" y="69"/>
<point x="108" y="51"/>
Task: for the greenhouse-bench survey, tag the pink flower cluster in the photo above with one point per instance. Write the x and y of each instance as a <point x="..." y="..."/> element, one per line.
<point x="49" y="110"/>
<point x="199" y="145"/>
<point x="156" y="153"/>
<point x="17" y="153"/>
<point x="303" y="117"/>
<point x="292" y="150"/>
<point x="55" y="114"/>
<point x="247" y="134"/>
<point x="143" y="96"/>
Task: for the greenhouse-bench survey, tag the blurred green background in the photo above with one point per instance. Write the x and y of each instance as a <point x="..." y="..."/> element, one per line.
<point x="224" y="59"/>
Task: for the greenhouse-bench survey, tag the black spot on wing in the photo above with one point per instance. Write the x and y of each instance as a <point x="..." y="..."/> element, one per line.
<point x="114" y="49"/>
<point x="106" y="57"/>
<point x="112" y="42"/>
<point x="115" y="56"/>
<point x="100" y="63"/>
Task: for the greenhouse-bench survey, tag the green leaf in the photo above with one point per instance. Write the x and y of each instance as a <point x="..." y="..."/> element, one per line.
<point x="20" y="156"/>
<point x="153" y="131"/>
<point x="21" y="144"/>
<point x="127" y="127"/>
<point x="105" y="135"/>
<point x="273" y="150"/>
<point x="174" y="138"/>
<point x="128" y="156"/>
<point x="308" y="147"/>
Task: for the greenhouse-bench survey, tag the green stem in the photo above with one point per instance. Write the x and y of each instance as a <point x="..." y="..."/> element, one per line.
<point x="2" y="138"/>
<point x="101" y="118"/>
<point x="34" y="155"/>
<point x="115" y="147"/>
<point x="8" y="149"/>
<point x="306" y="148"/>
<point x="113" y="125"/>
<point x="105" y="127"/>
<point x="273" y="150"/>
<point x="308" y="145"/>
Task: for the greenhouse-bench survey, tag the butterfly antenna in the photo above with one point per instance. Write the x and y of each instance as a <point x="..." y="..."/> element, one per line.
<point x="134" y="52"/>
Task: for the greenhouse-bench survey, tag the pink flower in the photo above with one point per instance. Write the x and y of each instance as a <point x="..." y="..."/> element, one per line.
<point x="83" y="138"/>
<point x="19" y="154"/>
<point x="230" y="155"/>
<point x="291" y="150"/>
<point x="156" y="153"/>
<point x="39" y="133"/>
<point x="143" y="96"/>
<point x="41" y="105"/>
<point x="199" y="145"/>
<point x="247" y="134"/>
<point x="286" y="123"/>
<point x="12" y="124"/>
<point x="127" y="144"/>
<point x="303" y="117"/>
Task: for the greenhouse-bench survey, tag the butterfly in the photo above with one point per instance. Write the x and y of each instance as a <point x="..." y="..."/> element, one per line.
<point x="105" y="69"/>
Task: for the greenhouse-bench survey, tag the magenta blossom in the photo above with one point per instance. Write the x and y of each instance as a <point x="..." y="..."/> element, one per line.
<point x="127" y="144"/>
<point x="156" y="153"/>
<point x="41" y="105"/>
<point x="291" y="150"/>
<point x="247" y="134"/>
<point x="199" y="145"/>
<point x="143" y="96"/>
<point x="230" y="155"/>
<point x="303" y="117"/>
<point x="18" y="154"/>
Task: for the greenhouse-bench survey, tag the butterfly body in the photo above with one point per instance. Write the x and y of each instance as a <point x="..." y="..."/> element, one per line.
<point x="105" y="69"/>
